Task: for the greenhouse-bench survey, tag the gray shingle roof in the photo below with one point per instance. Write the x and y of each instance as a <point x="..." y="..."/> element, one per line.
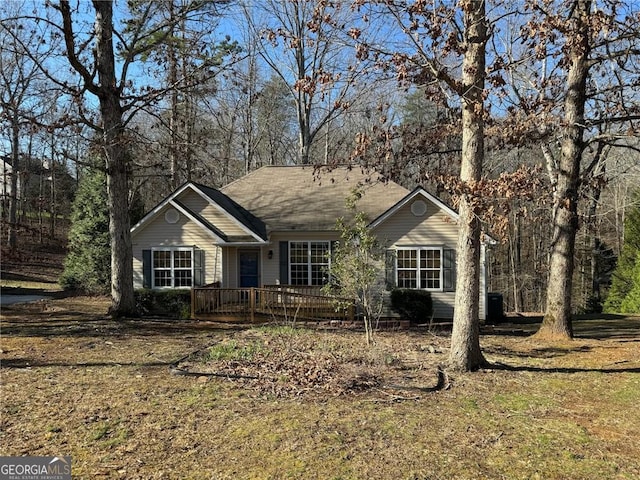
<point x="301" y="198"/>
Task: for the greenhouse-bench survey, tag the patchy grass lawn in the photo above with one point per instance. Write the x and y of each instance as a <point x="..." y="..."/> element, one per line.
<point x="274" y="402"/>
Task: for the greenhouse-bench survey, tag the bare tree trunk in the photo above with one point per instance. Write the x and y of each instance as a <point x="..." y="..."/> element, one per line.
<point x="52" y="205"/>
<point x="117" y="165"/>
<point x="557" y="319"/>
<point x="15" y="172"/>
<point x="173" y="119"/>
<point x="465" y="353"/>
<point x="304" y="137"/>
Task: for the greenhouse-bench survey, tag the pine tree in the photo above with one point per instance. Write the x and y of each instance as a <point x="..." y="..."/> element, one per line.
<point x="631" y="301"/>
<point x="87" y="266"/>
<point x="624" y="295"/>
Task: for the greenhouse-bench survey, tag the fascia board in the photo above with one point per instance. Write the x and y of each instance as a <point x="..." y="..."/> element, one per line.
<point x="247" y="244"/>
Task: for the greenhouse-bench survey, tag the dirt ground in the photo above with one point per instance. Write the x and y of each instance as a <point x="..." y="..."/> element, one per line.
<point x="168" y="399"/>
<point x="76" y="383"/>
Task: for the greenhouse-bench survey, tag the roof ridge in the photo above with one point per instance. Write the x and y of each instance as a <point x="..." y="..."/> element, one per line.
<point x="264" y="167"/>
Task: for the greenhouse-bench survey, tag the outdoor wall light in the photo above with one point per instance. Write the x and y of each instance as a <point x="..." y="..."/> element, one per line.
<point x="270" y="254"/>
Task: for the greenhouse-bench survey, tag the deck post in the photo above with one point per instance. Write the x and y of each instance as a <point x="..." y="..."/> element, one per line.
<point x="193" y="304"/>
<point x="252" y="303"/>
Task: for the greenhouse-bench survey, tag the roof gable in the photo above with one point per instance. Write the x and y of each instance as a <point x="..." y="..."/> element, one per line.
<point x="417" y="192"/>
<point x="253" y="227"/>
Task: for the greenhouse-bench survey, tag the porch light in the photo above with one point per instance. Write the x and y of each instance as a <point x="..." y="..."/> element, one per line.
<point x="270" y="254"/>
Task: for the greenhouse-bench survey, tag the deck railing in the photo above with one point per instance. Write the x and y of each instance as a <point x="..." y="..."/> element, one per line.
<point x="274" y="302"/>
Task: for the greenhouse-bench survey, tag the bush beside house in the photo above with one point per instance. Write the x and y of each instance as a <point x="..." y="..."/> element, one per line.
<point x="414" y="305"/>
<point x="164" y="303"/>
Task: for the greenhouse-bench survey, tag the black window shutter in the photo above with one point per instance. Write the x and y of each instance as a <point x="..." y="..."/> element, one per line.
<point x="284" y="263"/>
<point x="449" y="269"/>
<point x="198" y="267"/>
<point x="334" y="246"/>
<point x="390" y="268"/>
<point x="146" y="268"/>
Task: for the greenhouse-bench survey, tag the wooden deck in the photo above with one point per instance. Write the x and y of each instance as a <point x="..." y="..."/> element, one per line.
<point x="282" y="303"/>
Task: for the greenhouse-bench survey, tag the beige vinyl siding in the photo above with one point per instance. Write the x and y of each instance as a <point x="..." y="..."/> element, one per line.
<point x="184" y="233"/>
<point x="222" y="221"/>
<point x="443" y="304"/>
<point x="271" y="267"/>
<point x="433" y="229"/>
<point x="230" y="278"/>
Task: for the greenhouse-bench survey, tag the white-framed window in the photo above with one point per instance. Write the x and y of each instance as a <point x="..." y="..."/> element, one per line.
<point x="173" y="267"/>
<point x="309" y="262"/>
<point x="424" y="268"/>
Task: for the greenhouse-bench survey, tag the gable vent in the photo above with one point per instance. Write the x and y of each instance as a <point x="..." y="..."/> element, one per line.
<point x="172" y="215"/>
<point x="419" y="208"/>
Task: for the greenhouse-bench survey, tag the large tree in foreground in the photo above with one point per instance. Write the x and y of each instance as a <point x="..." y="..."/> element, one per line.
<point x="102" y="61"/>
<point x="99" y="77"/>
<point x="584" y="102"/>
<point x="446" y="51"/>
<point x="465" y="353"/>
<point x="557" y="316"/>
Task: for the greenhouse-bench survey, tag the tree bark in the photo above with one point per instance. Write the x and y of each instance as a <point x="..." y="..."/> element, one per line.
<point x="465" y="353"/>
<point x="117" y="165"/>
<point x="15" y="172"/>
<point x="174" y="134"/>
<point x="557" y="323"/>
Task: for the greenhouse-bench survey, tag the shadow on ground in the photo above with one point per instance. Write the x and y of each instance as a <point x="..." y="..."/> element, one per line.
<point x="595" y="327"/>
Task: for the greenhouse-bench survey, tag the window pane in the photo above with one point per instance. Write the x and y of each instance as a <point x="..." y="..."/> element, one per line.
<point x="318" y="274"/>
<point x="182" y="259"/>
<point x="162" y="259"/>
<point x="182" y="278"/>
<point x="431" y="259"/>
<point x="430" y="263"/>
<point x="407" y="279"/>
<point x="299" y="274"/>
<point x="162" y="278"/>
<point x="407" y="258"/>
<point x="298" y="252"/>
<point x="319" y="252"/>
<point x="430" y="279"/>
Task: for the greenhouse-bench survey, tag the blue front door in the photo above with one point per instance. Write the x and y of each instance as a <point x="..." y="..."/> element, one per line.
<point x="249" y="268"/>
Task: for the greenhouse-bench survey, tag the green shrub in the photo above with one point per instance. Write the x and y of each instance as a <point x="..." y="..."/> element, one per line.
<point x="631" y="302"/>
<point x="625" y="278"/>
<point x="414" y="305"/>
<point x="165" y="303"/>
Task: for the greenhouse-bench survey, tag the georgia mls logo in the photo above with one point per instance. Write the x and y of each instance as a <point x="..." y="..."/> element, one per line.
<point x="35" y="468"/>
